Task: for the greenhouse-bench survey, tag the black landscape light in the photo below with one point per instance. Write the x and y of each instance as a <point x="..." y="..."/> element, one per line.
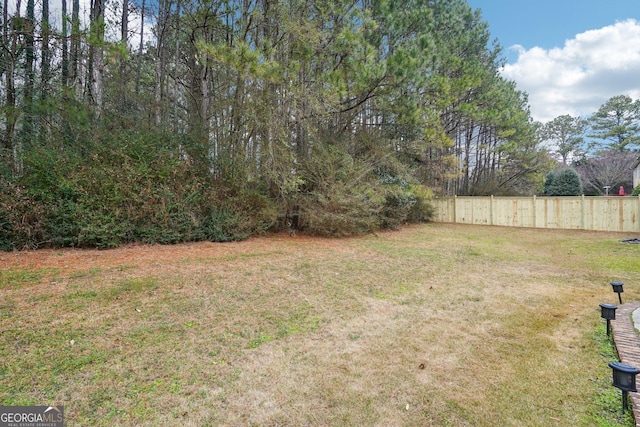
<point x="624" y="378"/>
<point x="617" y="288"/>
<point x="608" y="311"/>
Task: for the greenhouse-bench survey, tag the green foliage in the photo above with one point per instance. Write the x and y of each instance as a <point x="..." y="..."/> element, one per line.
<point x="403" y="202"/>
<point x="341" y="210"/>
<point x="567" y="133"/>
<point x="346" y="113"/>
<point x="617" y="122"/>
<point x="549" y="183"/>
<point x="21" y="217"/>
<point x="421" y="210"/>
<point x="636" y="191"/>
<point x="564" y="183"/>
<point x="347" y="196"/>
<point x="129" y="188"/>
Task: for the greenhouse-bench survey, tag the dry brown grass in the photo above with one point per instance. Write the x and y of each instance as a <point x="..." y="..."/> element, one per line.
<point x="438" y="325"/>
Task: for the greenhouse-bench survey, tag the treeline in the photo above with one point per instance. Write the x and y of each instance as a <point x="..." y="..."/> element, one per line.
<point x="178" y="120"/>
<point x="598" y="152"/>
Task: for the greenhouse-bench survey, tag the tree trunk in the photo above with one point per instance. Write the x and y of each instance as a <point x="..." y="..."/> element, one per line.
<point x="74" y="74"/>
<point x="124" y="39"/>
<point x="46" y="52"/>
<point x="65" y="47"/>
<point x="141" y="47"/>
<point x="5" y="38"/>
<point x="45" y="71"/>
<point x="9" y="49"/>
<point x="97" y="57"/>
<point x="29" y="72"/>
<point x="11" y="108"/>
<point x="161" y="56"/>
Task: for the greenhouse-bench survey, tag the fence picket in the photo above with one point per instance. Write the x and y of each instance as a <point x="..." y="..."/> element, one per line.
<point x="596" y="213"/>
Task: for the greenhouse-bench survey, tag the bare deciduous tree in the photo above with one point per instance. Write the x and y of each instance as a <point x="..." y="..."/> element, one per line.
<point x="610" y="169"/>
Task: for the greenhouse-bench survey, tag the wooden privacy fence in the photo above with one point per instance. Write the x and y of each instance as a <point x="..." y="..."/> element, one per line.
<point x="580" y="213"/>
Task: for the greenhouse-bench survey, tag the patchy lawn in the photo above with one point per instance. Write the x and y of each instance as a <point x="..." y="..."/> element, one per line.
<point x="434" y="325"/>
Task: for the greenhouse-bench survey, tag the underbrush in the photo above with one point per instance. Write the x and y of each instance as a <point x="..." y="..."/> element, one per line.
<point x="129" y="188"/>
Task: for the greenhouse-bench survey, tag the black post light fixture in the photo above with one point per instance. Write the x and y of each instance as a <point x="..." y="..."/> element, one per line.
<point x="608" y="312"/>
<point x="624" y="378"/>
<point x="617" y="288"/>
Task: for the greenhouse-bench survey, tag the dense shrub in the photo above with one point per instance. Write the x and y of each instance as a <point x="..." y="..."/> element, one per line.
<point x="549" y="184"/>
<point x="123" y="190"/>
<point x="636" y="191"/>
<point x="421" y="210"/>
<point x="564" y="183"/>
<point x="347" y="196"/>
<point x="127" y="188"/>
<point x="20" y="218"/>
<point x="403" y="202"/>
<point x="341" y="210"/>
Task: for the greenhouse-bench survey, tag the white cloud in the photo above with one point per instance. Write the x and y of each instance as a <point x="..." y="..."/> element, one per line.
<point x="582" y="75"/>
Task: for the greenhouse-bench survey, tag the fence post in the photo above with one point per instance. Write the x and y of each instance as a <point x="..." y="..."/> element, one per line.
<point x="582" y="212"/>
<point x="638" y="216"/>
<point x="534" y="211"/>
<point x="491" y="221"/>
<point x="455" y="202"/>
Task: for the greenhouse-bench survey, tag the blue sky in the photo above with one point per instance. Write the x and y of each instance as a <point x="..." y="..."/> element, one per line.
<point x="570" y="56"/>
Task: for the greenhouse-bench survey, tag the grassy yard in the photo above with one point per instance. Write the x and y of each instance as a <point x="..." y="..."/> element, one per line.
<point x="434" y="325"/>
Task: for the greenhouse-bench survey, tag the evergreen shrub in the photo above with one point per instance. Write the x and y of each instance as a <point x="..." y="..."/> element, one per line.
<point x="564" y="183"/>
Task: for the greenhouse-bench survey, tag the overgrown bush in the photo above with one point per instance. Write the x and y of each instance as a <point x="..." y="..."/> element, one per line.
<point x="20" y="218"/>
<point x="341" y="210"/>
<point x="347" y="196"/>
<point x="125" y="188"/>
<point x="404" y="202"/>
<point x="421" y="210"/>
